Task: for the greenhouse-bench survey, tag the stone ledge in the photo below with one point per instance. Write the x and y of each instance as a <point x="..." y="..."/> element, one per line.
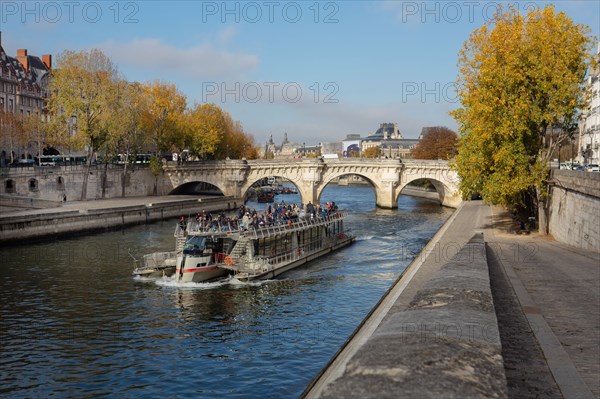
<point x="445" y="344"/>
<point x="414" y="367"/>
<point x="587" y="183"/>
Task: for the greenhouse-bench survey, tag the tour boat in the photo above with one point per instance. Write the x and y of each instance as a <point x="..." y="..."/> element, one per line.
<point x="260" y="252"/>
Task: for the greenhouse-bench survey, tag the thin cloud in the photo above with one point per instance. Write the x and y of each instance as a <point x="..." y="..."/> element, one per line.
<point x="199" y="62"/>
<point x="225" y="35"/>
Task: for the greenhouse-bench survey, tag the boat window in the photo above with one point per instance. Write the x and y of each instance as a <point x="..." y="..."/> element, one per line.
<point x="195" y="243"/>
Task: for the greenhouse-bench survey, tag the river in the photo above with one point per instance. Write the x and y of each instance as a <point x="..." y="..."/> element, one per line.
<point x="74" y="323"/>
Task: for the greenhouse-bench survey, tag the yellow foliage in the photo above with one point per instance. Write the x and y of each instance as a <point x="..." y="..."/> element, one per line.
<point x="518" y="75"/>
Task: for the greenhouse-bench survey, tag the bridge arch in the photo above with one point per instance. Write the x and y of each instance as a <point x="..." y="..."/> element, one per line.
<point x="196" y="188"/>
<point x="341" y="173"/>
<point x="245" y="189"/>
<point x="441" y="190"/>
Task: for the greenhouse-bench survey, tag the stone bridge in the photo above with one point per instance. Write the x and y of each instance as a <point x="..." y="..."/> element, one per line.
<point x="387" y="176"/>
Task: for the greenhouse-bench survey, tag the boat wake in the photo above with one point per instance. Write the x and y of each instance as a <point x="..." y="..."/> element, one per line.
<point x="143" y="279"/>
<point x="172" y="282"/>
<point x="364" y="238"/>
<point x="254" y="283"/>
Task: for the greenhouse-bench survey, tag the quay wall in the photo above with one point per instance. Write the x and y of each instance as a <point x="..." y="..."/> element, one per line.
<point x="61" y="222"/>
<point x="54" y="183"/>
<point x="421" y="193"/>
<point x="27" y="202"/>
<point x="574" y="209"/>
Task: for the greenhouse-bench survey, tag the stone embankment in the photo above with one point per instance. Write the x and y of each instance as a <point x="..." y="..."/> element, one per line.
<point x="444" y="344"/>
<point x="88" y="216"/>
<point x="421" y="193"/>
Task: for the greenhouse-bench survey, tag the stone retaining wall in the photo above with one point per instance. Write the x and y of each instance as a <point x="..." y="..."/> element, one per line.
<point x="27" y="202"/>
<point x="574" y="216"/>
<point x="65" y="222"/>
<point x="54" y="182"/>
<point x="445" y="345"/>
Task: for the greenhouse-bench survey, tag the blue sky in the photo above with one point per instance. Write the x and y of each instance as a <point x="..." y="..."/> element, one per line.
<point x="316" y="70"/>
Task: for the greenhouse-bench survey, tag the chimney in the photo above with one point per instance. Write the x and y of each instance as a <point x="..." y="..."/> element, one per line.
<point x="22" y="58"/>
<point x="47" y="60"/>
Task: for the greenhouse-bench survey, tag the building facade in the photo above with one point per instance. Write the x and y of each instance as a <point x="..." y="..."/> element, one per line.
<point x="390" y="141"/>
<point x="24" y="82"/>
<point x="287" y="149"/>
<point x="23" y="93"/>
<point x="589" y="126"/>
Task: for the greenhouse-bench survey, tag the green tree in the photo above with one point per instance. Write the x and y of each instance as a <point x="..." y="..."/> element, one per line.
<point x="519" y="76"/>
<point x="81" y="91"/>
<point x="438" y="143"/>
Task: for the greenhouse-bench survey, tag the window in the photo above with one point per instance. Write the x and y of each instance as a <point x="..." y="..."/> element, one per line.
<point x="33" y="185"/>
<point x="9" y="186"/>
<point x="60" y="183"/>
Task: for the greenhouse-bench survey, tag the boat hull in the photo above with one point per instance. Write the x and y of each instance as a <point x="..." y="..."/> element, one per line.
<point x="195" y="270"/>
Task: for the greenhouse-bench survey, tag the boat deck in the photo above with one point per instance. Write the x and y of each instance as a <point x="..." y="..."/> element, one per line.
<point x="266" y="231"/>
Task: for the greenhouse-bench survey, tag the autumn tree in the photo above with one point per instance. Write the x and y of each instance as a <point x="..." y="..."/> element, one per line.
<point x="81" y="90"/>
<point x="372" y="152"/>
<point x="437" y="143"/>
<point x="36" y="131"/>
<point x="519" y="75"/>
<point x="125" y="134"/>
<point x="162" y="108"/>
<point x="208" y="126"/>
<point x="239" y="144"/>
<point x="12" y="133"/>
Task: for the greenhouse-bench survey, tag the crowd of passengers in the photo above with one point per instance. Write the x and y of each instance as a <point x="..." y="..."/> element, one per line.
<point x="249" y="218"/>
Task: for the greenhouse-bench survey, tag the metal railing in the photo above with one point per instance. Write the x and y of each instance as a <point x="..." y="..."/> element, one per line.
<point x="154" y="260"/>
<point x="262" y="231"/>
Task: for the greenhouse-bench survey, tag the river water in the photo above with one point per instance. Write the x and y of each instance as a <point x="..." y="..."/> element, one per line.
<point x="74" y="323"/>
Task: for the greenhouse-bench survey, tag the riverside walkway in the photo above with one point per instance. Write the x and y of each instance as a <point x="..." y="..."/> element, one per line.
<point x="546" y="297"/>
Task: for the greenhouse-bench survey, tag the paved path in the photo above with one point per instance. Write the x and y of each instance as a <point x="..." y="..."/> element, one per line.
<point x="98" y="204"/>
<point x="558" y="290"/>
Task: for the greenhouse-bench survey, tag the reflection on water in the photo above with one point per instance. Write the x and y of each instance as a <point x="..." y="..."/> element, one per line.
<point x="75" y="323"/>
